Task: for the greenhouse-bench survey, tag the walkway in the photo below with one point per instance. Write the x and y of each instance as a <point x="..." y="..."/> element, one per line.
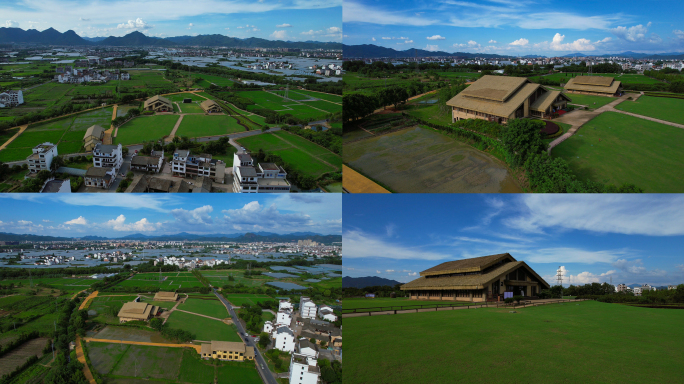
<point x="85" y="301"/>
<point x="81" y="359"/>
<point x="208" y="317"/>
<point x="11" y="139"/>
<point x="170" y="137"/>
<point x="578" y="118"/>
<point x="354" y="182"/>
<point x="650" y="118"/>
<point x="309" y="153"/>
<point x="198" y="348"/>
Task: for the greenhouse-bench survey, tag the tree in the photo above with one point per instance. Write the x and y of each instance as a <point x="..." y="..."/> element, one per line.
<point x="264" y="339"/>
<point x="523" y="138"/>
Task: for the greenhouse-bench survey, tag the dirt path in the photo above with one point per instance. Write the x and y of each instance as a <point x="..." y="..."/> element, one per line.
<point x="85" y="301"/>
<point x="107" y="140"/>
<point x="170" y="137"/>
<point x="198" y="348"/>
<point x="11" y="139"/>
<point x="578" y="118"/>
<point x="199" y="314"/>
<point x="81" y="359"/>
<point x="166" y="314"/>
<point x="310" y="154"/>
<point x="355" y="182"/>
<point x="649" y="118"/>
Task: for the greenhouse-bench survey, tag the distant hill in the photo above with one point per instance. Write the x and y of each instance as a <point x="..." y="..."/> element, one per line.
<point x="371" y="51"/>
<point x="17" y="237"/>
<point x="49" y="36"/>
<point x="368" y="281"/>
<point x="137" y="39"/>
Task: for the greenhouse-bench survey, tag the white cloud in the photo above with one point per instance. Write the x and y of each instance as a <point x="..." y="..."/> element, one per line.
<point x="354" y="12"/>
<point x="492" y="41"/>
<point x="520" y="42"/>
<point x="634" y="33"/>
<point x="431" y="48"/>
<point x="378" y="272"/>
<point x="387" y="38"/>
<point x="199" y="215"/>
<point x="408" y="42"/>
<point x="190" y="26"/>
<point x="413" y="274"/>
<point x="651" y="215"/>
<point x="577" y="45"/>
<point x="135" y="24"/>
<point x="679" y="33"/>
<point x="329" y="32"/>
<point x="256" y="216"/>
<point x="11" y="24"/>
<point x="143" y="225"/>
<point x="80" y="221"/>
<point x="357" y="244"/>
<point x="436" y="37"/>
<point x="284" y="25"/>
<point x="389" y="229"/>
<point x="279" y="35"/>
<point x="570" y="255"/>
<point x="390" y="271"/>
<point x="604" y="40"/>
<point x="25" y="222"/>
<point x="373" y="38"/>
<point x="82" y="19"/>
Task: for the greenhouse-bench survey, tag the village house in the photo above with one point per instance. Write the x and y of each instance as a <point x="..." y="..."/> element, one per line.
<point x="93" y="136"/>
<point x="264" y="178"/>
<point x="594" y="85"/>
<point x="227" y="350"/>
<point x="137" y="311"/>
<point x="479" y="279"/>
<point x="151" y="163"/>
<point x="158" y="104"/>
<point x="186" y="164"/>
<point x="303" y="370"/>
<point x="53" y="185"/>
<point x="500" y="99"/>
<point x="9" y="99"/>
<point x="99" y="177"/>
<point x="108" y="156"/>
<point x="307" y="308"/>
<point x="284" y="339"/>
<point x="41" y="158"/>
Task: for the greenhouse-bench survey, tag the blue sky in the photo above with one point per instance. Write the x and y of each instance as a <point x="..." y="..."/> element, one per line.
<point x="294" y="20"/>
<point x="517" y="27"/>
<point x="631" y="238"/>
<point x="116" y="215"/>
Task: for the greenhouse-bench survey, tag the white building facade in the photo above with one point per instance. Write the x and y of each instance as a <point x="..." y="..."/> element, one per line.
<point x="108" y="156"/>
<point x="42" y="156"/>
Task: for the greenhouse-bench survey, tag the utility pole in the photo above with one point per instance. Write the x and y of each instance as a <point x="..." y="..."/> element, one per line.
<point x="559" y="277"/>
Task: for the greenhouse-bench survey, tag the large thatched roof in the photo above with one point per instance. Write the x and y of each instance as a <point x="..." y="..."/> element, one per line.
<point x="495" y="95"/>
<point x="599" y="84"/>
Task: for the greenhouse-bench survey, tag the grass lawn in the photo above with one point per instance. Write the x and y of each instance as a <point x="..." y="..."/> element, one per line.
<point x="324" y="105"/>
<point x="31" y="138"/>
<point x="333" y="187"/>
<point x="212" y="308"/>
<point x="239" y="299"/>
<point x="70" y="147"/>
<point x="630" y="150"/>
<point x="389" y="303"/>
<point x="302" y="111"/>
<point x="220" y="81"/>
<point x="228" y="157"/>
<point x="662" y="108"/>
<point x="202" y="125"/>
<point x="146" y="362"/>
<point x="195" y="370"/>
<point x="291" y="148"/>
<point x="570" y="343"/>
<point x="181" y="96"/>
<point x="320" y="95"/>
<point x="190" y="108"/>
<point x="14" y="154"/>
<point x="233" y="372"/>
<point x="265" y="99"/>
<point x="145" y="128"/>
<point x="203" y="328"/>
<point x="590" y="101"/>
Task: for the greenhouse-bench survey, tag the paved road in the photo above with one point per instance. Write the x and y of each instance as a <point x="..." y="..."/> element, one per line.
<point x="260" y="361"/>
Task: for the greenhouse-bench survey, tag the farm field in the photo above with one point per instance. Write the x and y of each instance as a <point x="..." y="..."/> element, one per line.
<point x="195" y="370"/>
<point x="291" y="148"/>
<point x="202" y="125"/>
<point x="624" y="78"/>
<point x="67" y="133"/>
<point x="65" y="283"/>
<point x="146" y="80"/>
<point x="614" y="148"/>
<point x="302" y="111"/>
<point x="212" y="308"/>
<point x="275" y="102"/>
<point x="321" y="95"/>
<point x="145" y="128"/>
<point x="18" y="356"/>
<point x="218" y="80"/>
<point x="324" y="105"/>
<point x="125" y="360"/>
<point x="220" y="279"/>
<point x="292" y="94"/>
<point x="662" y="108"/>
<point x="590" y="101"/>
<point x="420" y="159"/>
<point x="385" y="302"/>
<point x="204" y="329"/>
<point x="543" y="338"/>
<point x="328" y="283"/>
<point x="243" y="373"/>
<point x="239" y="299"/>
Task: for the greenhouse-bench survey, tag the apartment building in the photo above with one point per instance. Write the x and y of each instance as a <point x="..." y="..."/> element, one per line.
<point x="42" y="156"/>
<point x="107" y="156"/>
<point x="9" y="99"/>
<point x="264" y="178"/>
<point x="185" y="164"/>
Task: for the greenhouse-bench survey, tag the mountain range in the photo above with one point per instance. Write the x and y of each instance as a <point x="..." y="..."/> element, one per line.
<point x="51" y="36"/>
<point x="371" y="51"/>
<point x="368" y="281"/>
<point x="183" y="236"/>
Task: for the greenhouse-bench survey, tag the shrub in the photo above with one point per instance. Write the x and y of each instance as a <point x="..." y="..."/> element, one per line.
<point x="508" y="300"/>
<point x="518" y="298"/>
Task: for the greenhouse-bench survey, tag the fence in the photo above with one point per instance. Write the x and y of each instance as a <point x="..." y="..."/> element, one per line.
<point x="393" y="310"/>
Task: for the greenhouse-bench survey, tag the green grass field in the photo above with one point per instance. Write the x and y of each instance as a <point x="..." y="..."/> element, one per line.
<point x="204" y="328"/>
<point x="590" y="101"/>
<point x="571" y="343"/>
<point x="170" y="284"/>
<point x="239" y="299"/>
<point x="324" y="105"/>
<point x="322" y="96"/>
<point x="131" y="361"/>
<point x="243" y="373"/>
<point x="195" y="370"/>
<point x="625" y="78"/>
<point x="201" y="125"/>
<point x="220" y="81"/>
<point x="291" y="148"/>
<point x="190" y="108"/>
<point x="385" y="302"/>
<point x="145" y="128"/>
<point x="615" y="148"/>
<point x="662" y="108"/>
<point x="220" y="278"/>
<point x="212" y="308"/>
<point x="66" y="283"/>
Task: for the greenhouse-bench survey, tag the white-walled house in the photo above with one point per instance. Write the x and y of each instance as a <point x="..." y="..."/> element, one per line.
<point x="303" y="370"/>
<point x="326" y="312"/>
<point x="108" y="156"/>
<point x="307" y="308"/>
<point x="284" y="317"/>
<point x="42" y="156"/>
<point x="285" y="304"/>
<point x="284" y="339"/>
<point x="10" y="99"/>
<point x="268" y="327"/>
<point x="53" y="185"/>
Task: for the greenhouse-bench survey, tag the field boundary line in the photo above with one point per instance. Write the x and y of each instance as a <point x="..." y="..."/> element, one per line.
<point x="80" y="355"/>
<point x="198" y="348"/>
<point x="85" y="301"/>
<point x="22" y="128"/>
